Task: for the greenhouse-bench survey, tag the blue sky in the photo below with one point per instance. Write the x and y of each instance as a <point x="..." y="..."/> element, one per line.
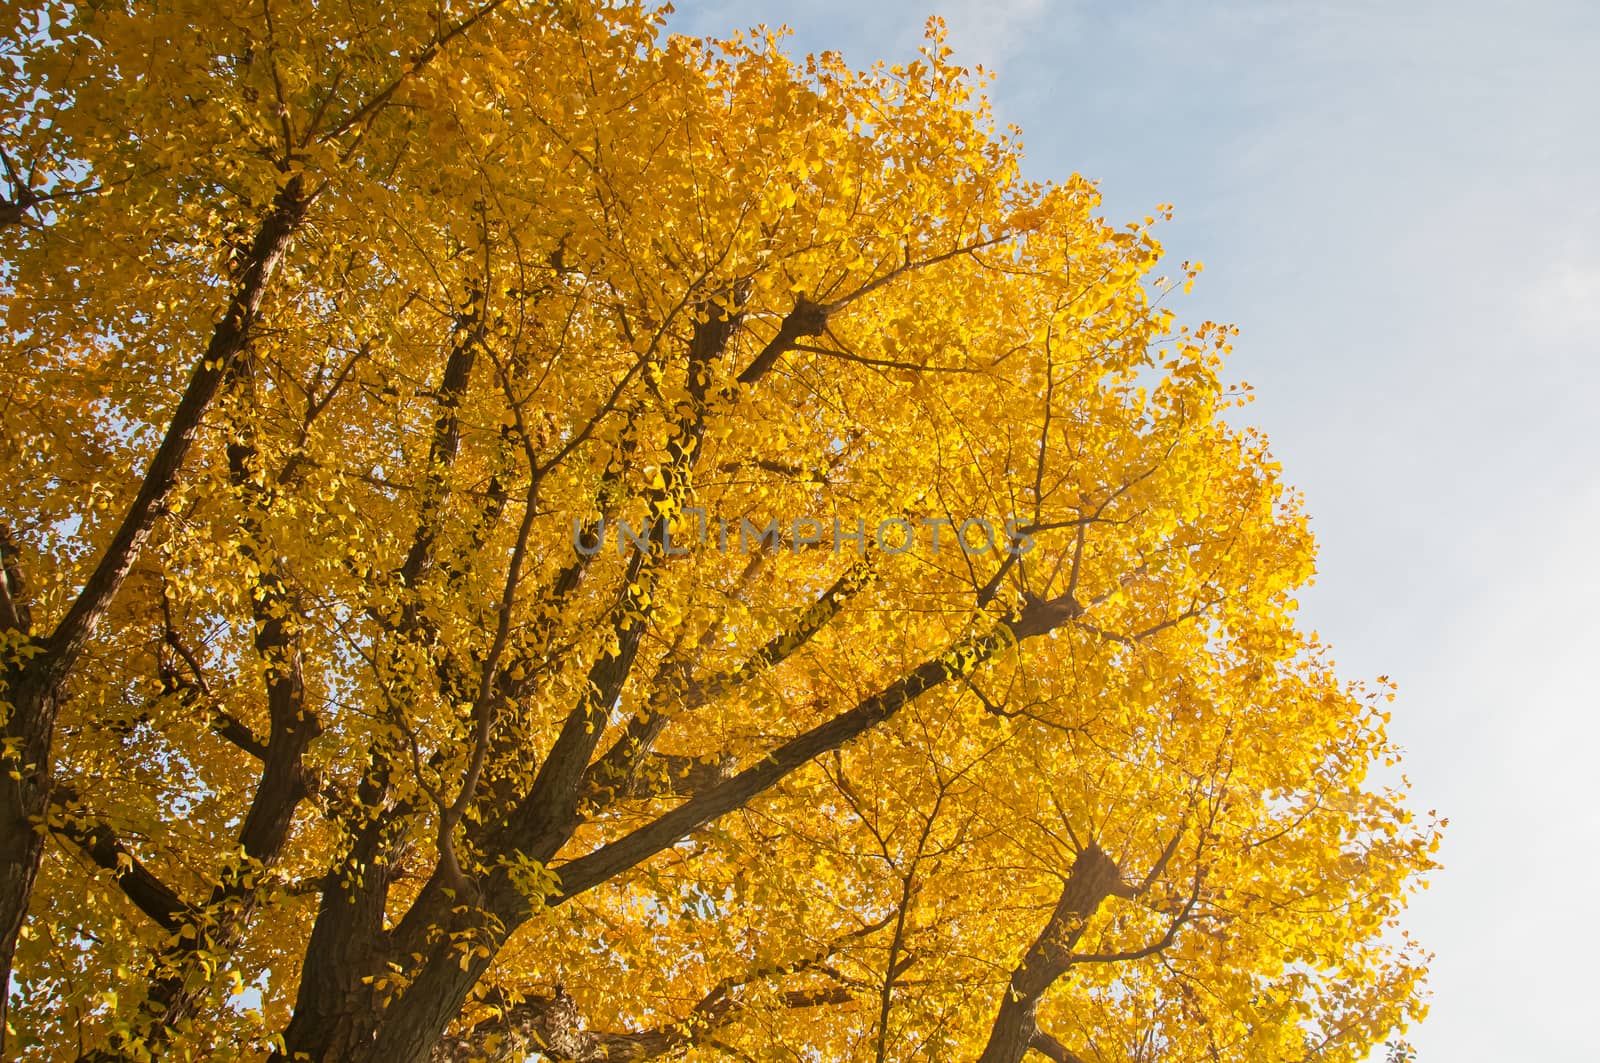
<point x="1397" y="203"/>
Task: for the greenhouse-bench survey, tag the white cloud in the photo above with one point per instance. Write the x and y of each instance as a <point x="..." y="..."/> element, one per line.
<point x="1563" y="303"/>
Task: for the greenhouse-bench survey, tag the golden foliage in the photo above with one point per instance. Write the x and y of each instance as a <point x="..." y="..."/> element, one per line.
<point x="334" y="336"/>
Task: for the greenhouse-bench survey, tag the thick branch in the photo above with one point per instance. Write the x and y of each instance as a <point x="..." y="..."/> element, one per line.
<point x="445" y="445"/>
<point x="349" y="923"/>
<point x="612" y="859"/>
<point x="15" y="614"/>
<point x="545" y="817"/>
<point x="227" y="342"/>
<point x="281" y="785"/>
<point x="618" y="769"/>
<point x="1093" y="878"/>
<point x="1049" y="1047"/>
<point x="100" y="843"/>
<point x="806" y="319"/>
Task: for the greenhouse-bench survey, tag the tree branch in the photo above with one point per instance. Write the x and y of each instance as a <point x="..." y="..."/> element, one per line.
<point x="15" y="614"/>
<point x="34" y="687"/>
<point x="552" y="1025"/>
<point x="100" y="843"/>
<point x="586" y="872"/>
<point x="228" y="340"/>
<point x="419" y="61"/>
<point x="616" y="771"/>
<point x="1093" y="878"/>
<point x="1049" y="1047"/>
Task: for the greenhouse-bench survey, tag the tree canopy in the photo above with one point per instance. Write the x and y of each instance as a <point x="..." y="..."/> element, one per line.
<point x="524" y="534"/>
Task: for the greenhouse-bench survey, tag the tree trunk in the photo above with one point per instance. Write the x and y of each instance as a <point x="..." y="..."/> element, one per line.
<point x="1094" y="877"/>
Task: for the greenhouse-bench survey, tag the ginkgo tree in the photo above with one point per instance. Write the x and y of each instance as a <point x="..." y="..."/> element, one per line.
<point x="526" y="536"/>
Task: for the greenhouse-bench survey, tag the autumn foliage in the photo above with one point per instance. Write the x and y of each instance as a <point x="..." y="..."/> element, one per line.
<point x="342" y="723"/>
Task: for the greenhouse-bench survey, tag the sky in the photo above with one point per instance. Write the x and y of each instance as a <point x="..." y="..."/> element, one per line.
<point x="1397" y="204"/>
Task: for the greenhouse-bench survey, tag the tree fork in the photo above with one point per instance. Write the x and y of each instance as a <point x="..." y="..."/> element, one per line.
<point x="1093" y="878"/>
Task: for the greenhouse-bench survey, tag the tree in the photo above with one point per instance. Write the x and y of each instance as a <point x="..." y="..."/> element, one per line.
<point x="524" y="534"/>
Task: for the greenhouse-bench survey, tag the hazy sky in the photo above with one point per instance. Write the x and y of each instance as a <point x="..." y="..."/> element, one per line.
<point x="1397" y="203"/>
